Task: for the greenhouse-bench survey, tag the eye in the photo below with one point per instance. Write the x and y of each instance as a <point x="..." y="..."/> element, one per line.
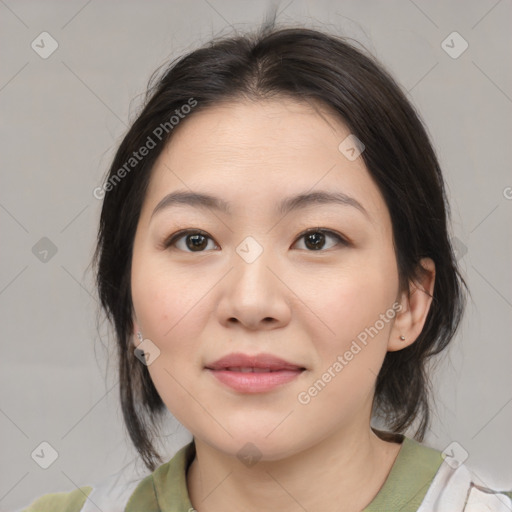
<point x="314" y="239"/>
<point x="189" y="240"/>
<point x="194" y="240"/>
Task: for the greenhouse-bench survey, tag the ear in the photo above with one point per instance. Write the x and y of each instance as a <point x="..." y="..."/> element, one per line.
<point x="136" y="329"/>
<point x="410" y="320"/>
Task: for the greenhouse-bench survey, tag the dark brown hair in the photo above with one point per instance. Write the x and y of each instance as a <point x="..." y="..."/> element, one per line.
<point x="306" y="65"/>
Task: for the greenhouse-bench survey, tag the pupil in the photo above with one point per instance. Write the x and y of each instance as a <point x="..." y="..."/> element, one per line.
<point x="317" y="240"/>
<point x="197" y="242"/>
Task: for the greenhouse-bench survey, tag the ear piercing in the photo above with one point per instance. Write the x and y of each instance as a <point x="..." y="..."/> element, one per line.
<point x="139" y="335"/>
<point x="402" y="338"/>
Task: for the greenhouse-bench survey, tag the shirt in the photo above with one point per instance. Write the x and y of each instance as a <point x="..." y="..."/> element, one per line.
<point x="421" y="479"/>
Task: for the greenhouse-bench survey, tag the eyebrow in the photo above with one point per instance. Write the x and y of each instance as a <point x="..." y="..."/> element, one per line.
<point x="209" y="202"/>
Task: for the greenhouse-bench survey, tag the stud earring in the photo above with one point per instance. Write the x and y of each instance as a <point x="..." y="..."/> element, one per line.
<point x="402" y="338"/>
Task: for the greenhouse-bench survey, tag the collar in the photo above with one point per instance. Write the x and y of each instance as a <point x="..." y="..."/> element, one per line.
<point x="415" y="466"/>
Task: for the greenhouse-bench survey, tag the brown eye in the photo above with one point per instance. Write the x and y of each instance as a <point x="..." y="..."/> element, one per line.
<point x="197" y="241"/>
<point x="194" y="241"/>
<point x="315" y="239"/>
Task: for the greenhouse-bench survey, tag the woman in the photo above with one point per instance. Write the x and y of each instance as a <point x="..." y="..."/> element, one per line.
<point x="273" y="253"/>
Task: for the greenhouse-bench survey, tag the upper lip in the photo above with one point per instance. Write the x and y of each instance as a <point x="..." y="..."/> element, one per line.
<point x="239" y="360"/>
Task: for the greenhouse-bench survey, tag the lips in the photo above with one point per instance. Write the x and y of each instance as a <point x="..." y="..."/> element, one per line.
<point x="253" y="373"/>
<point x="249" y="369"/>
<point x="248" y="363"/>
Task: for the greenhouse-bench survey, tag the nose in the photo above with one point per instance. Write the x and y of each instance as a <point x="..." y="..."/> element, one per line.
<point x="254" y="294"/>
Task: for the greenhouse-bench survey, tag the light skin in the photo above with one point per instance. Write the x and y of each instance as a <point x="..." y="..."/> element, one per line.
<point x="297" y="303"/>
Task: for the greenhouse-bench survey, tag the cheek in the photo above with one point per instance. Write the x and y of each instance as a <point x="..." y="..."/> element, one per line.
<point x="164" y="300"/>
<point x="357" y="308"/>
<point x="353" y="299"/>
<point x="168" y="307"/>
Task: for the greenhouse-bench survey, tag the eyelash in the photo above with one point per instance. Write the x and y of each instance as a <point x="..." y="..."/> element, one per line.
<point x="175" y="237"/>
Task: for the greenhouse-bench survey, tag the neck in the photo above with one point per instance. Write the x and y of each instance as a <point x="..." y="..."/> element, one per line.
<point x="343" y="472"/>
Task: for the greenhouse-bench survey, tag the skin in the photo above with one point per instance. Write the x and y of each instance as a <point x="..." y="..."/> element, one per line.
<point x="303" y="305"/>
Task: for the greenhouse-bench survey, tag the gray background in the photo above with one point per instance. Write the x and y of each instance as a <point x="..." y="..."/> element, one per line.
<point x="61" y="120"/>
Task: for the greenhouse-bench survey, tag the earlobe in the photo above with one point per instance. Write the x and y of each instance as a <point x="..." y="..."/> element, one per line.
<point x="135" y="334"/>
<point x="416" y="304"/>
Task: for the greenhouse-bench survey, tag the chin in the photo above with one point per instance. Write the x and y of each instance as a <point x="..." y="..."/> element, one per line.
<point x="256" y="444"/>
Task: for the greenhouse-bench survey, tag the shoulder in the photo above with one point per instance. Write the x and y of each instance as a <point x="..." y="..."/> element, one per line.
<point x="454" y="487"/>
<point x="61" y="502"/>
<point x="424" y="479"/>
<point x="127" y="490"/>
<point x="110" y="495"/>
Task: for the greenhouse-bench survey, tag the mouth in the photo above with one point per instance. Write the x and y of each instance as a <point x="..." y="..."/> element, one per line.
<point x="254" y="374"/>
<point x="251" y="369"/>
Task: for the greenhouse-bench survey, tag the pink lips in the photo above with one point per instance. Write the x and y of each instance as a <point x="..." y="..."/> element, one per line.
<point x="253" y="374"/>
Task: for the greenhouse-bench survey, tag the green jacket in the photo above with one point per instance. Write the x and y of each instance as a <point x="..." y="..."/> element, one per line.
<point x="421" y="480"/>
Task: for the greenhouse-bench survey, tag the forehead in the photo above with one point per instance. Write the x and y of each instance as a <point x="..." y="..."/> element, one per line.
<point x="258" y="152"/>
<point x="245" y="128"/>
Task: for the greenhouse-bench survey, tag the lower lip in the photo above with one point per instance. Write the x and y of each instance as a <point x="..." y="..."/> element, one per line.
<point x="255" y="382"/>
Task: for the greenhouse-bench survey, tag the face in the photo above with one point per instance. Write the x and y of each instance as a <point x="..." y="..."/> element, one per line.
<point x="311" y="283"/>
